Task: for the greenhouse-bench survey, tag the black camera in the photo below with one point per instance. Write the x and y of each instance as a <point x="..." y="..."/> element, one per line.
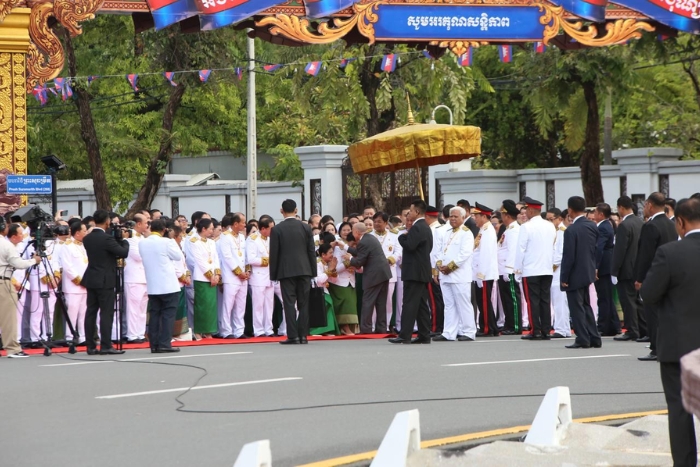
<point x="41" y="224"/>
<point x="117" y="231"/>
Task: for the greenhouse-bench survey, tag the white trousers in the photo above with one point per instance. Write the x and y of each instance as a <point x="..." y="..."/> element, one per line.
<point x="282" y="330"/>
<point x="523" y="303"/>
<point x="389" y="308"/>
<point x="459" y="312"/>
<point x="498" y="305"/>
<point x="263" y="306"/>
<point x="594" y="300"/>
<point x="233" y="309"/>
<point x="21" y="304"/>
<point x="189" y="296"/>
<point x="37" y="323"/>
<point x="136" y="308"/>
<point x="77" y="305"/>
<point x="560" y="308"/>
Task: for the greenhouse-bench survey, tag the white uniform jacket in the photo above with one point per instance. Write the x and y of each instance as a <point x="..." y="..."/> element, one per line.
<point x="455" y="251"/>
<point x="485" y="261"/>
<point x="534" y="256"/>
<point x="258" y="252"/>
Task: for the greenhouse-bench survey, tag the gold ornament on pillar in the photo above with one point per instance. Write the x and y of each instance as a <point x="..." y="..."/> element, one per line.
<point x="46" y="57"/>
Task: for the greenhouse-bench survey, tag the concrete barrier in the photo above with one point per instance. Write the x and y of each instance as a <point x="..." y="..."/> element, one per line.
<point x="255" y="454"/>
<point x="551" y="419"/>
<point x="400" y="441"/>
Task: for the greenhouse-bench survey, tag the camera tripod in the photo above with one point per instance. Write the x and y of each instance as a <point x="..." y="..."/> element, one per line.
<point x="44" y="295"/>
<point x="119" y="301"/>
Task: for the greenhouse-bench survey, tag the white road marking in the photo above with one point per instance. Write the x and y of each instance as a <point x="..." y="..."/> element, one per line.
<point x="537" y="360"/>
<point x="148" y="359"/>
<point x="196" y="388"/>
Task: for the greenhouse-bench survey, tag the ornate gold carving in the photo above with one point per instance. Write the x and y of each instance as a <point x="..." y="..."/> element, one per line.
<point x="13" y="115"/>
<point x="7" y="6"/>
<point x="299" y="29"/>
<point x="45" y="57"/>
<point x="616" y="32"/>
<point x="7" y="112"/>
<point x="457" y="47"/>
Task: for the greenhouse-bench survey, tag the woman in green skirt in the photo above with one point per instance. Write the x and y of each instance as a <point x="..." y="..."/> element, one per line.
<point x="207" y="275"/>
<point x="342" y="289"/>
<point x="326" y="266"/>
<point x="181" y="328"/>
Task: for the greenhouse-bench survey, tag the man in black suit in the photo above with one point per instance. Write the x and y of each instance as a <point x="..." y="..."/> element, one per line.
<point x="622" y="270"/>
<point x="608" y="320"/>
<point x="657" y="231"/>
<point x="578" y="273"/>
<point x="375" y="278"/>
<point x="293" y="263"/>
<point x="100" y="278"/>
<point x="672" y="284"/>
<point x="416" y="273"/>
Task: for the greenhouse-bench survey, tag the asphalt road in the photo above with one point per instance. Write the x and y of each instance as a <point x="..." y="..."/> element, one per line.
<point x="54" y="410"/>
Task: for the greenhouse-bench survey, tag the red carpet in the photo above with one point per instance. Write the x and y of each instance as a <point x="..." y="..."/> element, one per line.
<point x="253" y="340"/>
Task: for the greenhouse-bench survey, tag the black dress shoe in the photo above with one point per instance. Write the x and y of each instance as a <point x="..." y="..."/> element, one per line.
<point x="508" y="332"/>
<point x="398" y="340"/>
<point x="154" y="349"/>
<point x="420" y="340"/>
<point x="243" y="336"/>
<point x="643" y="339"/>
<point x="576" y="345"/>
<point x="136" y="341"/>
<point x="435" y="334"/>
<point x="480" y="334"/>
<point x="111" y="351"/>
<point x="230" y="336"/>
<point x="289" y="341"/>
<point x="531" y="337"/>
<point x="648" y="358"/>
<point x="597" y="345"/>
<point x="167" y="350"/>
<point x="556" y="335"/>
<point x="624" y="337"/>
<point x="465" y="339"/>
<point x="92" y="351"/>
<point x="303" y="340"/>
<point x="441" y="338"/>
<point x="545" y="337"/>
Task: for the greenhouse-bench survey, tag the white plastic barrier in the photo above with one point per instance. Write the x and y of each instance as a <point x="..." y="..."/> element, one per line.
<point x="255" y="454"/>
<point x="552" y="418"/>
<point x="401" y="440"/>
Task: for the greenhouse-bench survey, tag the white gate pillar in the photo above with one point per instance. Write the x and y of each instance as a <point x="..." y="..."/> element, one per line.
<point x="323" y="179"/>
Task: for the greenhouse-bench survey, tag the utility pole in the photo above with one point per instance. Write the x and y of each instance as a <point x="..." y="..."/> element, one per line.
<point x="607" y="138"/>
<point x="252" y="198"/>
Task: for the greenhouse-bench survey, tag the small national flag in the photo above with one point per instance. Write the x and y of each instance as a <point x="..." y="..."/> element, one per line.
<point x="132" y="79"/>
<point x="540" y="48"/>
<point x="344" y="62"/>
<point x="426" y="54"/>
<point x="91" y="78"/>
<point x="313" y="68"/>
<point x="169" y="76"/>
<point x="466" y="58"/>
<point x="62" y="85"/>
<point x="662" y="37"/>
<point x="204" y="75"/>
<point x="40" y="94"/>
<point x="389" y="63"/>
<point x="271" y="68"/>
<point x="506" y="53"/>
<point x="239" y="73"/>
<point x="53" y="91"/>
<point x="58" y="85"/>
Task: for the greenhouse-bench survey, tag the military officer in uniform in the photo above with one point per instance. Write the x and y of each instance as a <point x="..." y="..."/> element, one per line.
<point x="235" y="275"/>
<point x="75" y="262"/>
<point x="485" y="268"/>
<point x="135" y="288"/>
<point x="509" y="289"/>
<point x="258" y="254"/>
<point x="454" y="270"/>
<point x="533" y="263"/>
<point x="389" y="239"/>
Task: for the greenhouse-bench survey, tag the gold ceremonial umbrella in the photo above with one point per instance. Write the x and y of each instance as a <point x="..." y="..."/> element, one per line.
<point x="415" y="146"/>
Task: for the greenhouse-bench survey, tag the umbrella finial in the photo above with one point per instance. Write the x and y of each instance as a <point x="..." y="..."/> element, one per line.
<point x="411" y="120"/>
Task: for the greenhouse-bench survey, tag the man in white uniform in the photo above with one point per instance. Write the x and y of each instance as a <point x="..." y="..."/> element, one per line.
<point x="455" y="274"/>
<point x="389" y="239"/>
<point x="509" y="289"/>
<point x="75" y="262"/>
<point x="232" y="254"/>
<point x="263" y="290"/>
<point x="560" y="306"/>
<point x="485" y="268"/>
<point x="135" y="290"/>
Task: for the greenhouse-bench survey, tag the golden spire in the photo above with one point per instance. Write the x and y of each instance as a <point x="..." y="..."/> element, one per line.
<point x="411" y="120"/>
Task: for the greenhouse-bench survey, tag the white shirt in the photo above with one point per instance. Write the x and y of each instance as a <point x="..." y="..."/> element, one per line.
<point x="157" y="255"/>
<point x="133" y="270"/>
<point x="231" y="248"/>
<point x="204" y="258"/>
<point x="485" y="260"/>
<point x="258" y="255"/>
<point x="455" y="251"/>
<point x="661" y="213"/>
<point x="535" y="253"/>
<point x="392" y="250"/>
<point x="321" y="276"/>
<point x="507" y="248"/>
<point x="344" y="278"/>
<point x="10" y="260"/>
<point x="75" y="262"/>
<point x="558" y="250"/>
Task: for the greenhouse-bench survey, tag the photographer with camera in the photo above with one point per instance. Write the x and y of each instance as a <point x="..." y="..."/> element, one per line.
<point x="103" y="251"/>
<point x="9" y="261"/>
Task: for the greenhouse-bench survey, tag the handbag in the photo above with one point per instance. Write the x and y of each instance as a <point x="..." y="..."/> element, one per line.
<point x="318" y="318"/>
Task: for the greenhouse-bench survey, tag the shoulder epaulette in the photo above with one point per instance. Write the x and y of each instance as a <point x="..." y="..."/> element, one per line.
<point x="228" y="232"/>
<point x="562" y="228"/>
<point x="194" y="239"/>
<point x="254" y="236"/>
<point x="68" y="242"/>
<point x="465" y="228"/>
<point x="394" y="230"/>
<point x="318" y="260"/>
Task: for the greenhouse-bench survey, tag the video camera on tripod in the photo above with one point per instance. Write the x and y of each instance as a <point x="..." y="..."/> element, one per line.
<point x="41" y="225"/>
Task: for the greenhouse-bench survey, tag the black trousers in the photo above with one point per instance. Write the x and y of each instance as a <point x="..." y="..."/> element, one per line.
<point x="487" y="315"/>
<point x="163" y="309"/>
<point x="538" y="296"/>
<point x="631" y="308"/>
<point x="510" y="298"/>
<point x="437" y="305"/>
<point x="415" y="308"/>
<point x="374" y="297"/>
<point x="651" y="313"/>
<point x="295" y="291"/>
<point x="582" y="316"/>
<point x="102" y="300"/>
<point x="681" y="429"/>
<point x="608" y="320"/>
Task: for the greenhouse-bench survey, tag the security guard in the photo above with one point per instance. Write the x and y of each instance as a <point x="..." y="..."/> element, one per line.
<point x="508" y="288"/>
<point x="485" y="267"/>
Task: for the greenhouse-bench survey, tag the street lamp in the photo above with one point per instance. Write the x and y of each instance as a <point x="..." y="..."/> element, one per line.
<point x="441" y="106"/>
<point x="54" y="164"/>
